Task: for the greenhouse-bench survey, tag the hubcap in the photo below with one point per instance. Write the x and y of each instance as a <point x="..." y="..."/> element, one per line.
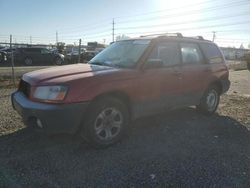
<point x="212" y="99"/>
<point x="108" y="124"/>
<point x="58" y="61"/>
<point x="28" y="61"/>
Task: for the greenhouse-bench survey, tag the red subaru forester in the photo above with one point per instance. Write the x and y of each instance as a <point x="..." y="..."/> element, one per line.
<point x="129" y="79"/>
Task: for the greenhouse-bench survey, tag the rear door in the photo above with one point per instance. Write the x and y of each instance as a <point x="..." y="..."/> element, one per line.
<point x="159" y="86"/>
<point x="46" y="56"/>
<point x="195" y="72"/>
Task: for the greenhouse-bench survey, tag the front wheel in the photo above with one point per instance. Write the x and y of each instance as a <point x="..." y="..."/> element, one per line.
<point x="58" y="61"/>
<point x="106" y="123"/>
<point x="28" y="61"/>
<point x="209" y="101"/>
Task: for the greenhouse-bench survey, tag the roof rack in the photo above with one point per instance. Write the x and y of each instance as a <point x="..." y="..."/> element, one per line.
<point x="164" y="35"/>
<point x="173" y="35"/>
<point x="197" y="37"/>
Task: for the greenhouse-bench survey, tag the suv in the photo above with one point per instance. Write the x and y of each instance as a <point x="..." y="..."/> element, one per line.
<point x="129" y="79"/>
<point x="34" y="55"/>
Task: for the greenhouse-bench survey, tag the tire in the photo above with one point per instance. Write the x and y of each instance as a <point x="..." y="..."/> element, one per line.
<point x="210" y="101"/>
<point x="58" y="61"/>
<point x="28" y="61"/>
<point x="106" y="123"/>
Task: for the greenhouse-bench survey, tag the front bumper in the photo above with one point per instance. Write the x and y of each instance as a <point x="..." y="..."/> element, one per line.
<point x="51" y="118"/>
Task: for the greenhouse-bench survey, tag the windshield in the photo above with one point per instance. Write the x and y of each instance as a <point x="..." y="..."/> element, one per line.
<point x="121" y="53"/>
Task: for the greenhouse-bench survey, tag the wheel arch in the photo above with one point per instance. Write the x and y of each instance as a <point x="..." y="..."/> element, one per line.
<point x="122" y="96"/>
<point x="217" y="84"/>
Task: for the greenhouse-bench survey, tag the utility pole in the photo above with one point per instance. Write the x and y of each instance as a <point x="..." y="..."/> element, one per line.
<point x="79" y="51"/>
<point x="113" y="30"/>
<point x="30" y="39"/>
<point x="214" y="35"/>
<point x="56" y="38"/>
<point x="12" y="62"/>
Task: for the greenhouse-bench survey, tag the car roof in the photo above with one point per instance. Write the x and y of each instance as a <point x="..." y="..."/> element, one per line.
<point x="32" y="48"/>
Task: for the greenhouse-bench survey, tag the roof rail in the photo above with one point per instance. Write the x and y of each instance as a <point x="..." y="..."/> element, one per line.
<point x="164" y="35"/>
<point x="197" y="37"/>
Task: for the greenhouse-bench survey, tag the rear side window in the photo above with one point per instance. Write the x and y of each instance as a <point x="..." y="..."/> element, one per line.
<point x="45" y="51"/>
<point x="168" y="52"/>
<point x="33" y="50"/>
<point x="191" y="53"/>
<point x="212" y="53"/>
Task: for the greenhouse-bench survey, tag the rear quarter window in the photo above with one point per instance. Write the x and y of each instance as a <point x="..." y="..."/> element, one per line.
<point x="212" y="53"/>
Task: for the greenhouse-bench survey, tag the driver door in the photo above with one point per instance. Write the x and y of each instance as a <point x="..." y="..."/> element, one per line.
<point x="160" y="83"/>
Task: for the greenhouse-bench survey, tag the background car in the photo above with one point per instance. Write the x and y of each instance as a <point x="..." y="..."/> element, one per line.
<point x="37" y="56"/>
<point x="72" y="56"/>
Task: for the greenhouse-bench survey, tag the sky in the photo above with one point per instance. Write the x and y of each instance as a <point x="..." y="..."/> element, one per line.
<point x="33" y="21"/>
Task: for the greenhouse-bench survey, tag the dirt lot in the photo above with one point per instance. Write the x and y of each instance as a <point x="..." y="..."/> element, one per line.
<point x="179" y="149"/>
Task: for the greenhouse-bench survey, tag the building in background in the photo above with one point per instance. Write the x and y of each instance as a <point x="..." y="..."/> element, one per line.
<point x="234" y="53"/>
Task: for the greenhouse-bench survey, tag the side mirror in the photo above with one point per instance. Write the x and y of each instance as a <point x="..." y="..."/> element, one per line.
<point x="153" y="64"/>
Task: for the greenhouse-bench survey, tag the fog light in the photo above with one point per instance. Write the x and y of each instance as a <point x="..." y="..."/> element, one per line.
<point x="39" y="123"/>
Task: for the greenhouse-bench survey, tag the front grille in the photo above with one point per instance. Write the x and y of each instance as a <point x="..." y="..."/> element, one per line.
<point x="24" y="87"/>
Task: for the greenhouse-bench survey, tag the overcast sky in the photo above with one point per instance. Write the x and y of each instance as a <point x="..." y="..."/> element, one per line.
<point x="92" y="20"/>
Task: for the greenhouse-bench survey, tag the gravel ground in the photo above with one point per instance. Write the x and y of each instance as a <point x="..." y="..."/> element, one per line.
<point x="177" y="149"/>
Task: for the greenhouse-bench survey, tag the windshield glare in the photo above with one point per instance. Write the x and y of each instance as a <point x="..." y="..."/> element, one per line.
<point x="121" y="53"/>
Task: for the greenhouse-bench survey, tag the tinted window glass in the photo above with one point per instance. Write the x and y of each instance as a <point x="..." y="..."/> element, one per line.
<point x="212" y="53"/>
<point x="32" y="50"/>
<point x="190" y="53"/>
<point x="45" y="51"/>
<point x="168" y="52"/>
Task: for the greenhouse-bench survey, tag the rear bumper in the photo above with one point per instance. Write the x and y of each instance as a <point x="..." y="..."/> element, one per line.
<point x="54" y="118"/>
<point x="225" y="85"/>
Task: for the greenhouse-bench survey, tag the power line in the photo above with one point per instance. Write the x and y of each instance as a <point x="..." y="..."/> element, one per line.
<point x="181" y="22"/>
<point x="164" y="10"/>
<point x="188" y="29"/>
<point x="187" y="12"/>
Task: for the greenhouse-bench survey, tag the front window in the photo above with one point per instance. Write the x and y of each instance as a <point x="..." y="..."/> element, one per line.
<point x="121" y="54"/>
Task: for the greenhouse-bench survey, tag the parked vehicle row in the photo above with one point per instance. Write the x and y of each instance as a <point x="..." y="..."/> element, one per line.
<point x="127" y="80"/>
<point x="31" y="56"/>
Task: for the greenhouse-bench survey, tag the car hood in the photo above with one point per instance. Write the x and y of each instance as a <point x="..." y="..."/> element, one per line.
<point x="64" y="73"/>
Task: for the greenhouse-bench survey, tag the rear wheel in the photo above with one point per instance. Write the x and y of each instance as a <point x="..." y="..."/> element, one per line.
<point x="106" y="123"/>
<point x="209" y="101"/>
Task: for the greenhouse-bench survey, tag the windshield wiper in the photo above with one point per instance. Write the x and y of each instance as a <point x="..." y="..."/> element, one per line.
<point x="97" y="63"/>
<point x="106" y="64"/>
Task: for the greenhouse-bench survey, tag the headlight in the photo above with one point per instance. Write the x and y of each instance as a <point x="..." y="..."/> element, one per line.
<point x="50" y="93"/>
